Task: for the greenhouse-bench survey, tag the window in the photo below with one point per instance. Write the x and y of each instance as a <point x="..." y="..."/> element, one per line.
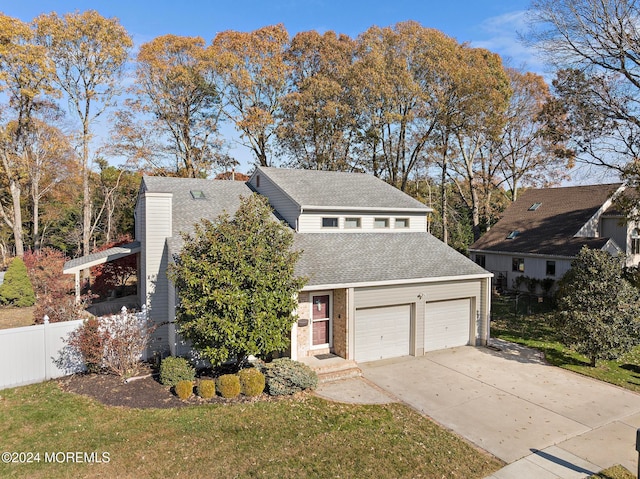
<point x="517" y="265"/>
<point x="535" y="206"/>
<point x="352" y="222"/>
<point x="197" y="194"/>
<point x="513" y="234"/>
<point x="257" y="181"/>
<point x="402" y="223"/>
<point x="481" y="260"/>
<point x="635" y="241"/>
<point x="329" y="222"/>
<point x="381" y="223"/>
<point x="551" y="268"/>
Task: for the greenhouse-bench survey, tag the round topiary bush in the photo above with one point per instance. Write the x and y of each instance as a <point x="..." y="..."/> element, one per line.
<point x="206" y="388"/>
<point x="285" y="376"/>
<point x="184" y="389"/>
<point x="228" y="385"/>
<point x="252" y="382"/>
<point x="174" y="369"/>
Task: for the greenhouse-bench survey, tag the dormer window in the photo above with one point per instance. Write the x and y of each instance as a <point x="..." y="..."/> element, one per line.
<point x="351" y="223"/>
<point x="513" y="234"/>
<point x="197" y="194"/>
<point x="329" y="222"/>
<point x="402" y="223"/>
<point x="534" y="206"/>
<point x="381" y="223"/>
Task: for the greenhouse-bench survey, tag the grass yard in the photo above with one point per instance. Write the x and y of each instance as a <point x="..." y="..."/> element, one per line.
<point x="293" y="437"/>
<point x="534" y="330"/>
<point x="16" y="317"/>
<point x="615" y="472"/>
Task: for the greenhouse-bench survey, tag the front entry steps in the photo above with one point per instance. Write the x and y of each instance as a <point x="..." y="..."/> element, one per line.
<point x="330" y="367"/>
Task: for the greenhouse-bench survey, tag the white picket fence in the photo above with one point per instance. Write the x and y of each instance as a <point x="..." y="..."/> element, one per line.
<point x="32" y="354"/>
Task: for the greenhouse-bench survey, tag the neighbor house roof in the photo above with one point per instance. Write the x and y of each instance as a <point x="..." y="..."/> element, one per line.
<point x="94" y="259"/>
<point x="550" y="227"/>
<point x="357" y="258"/>
<point x="334" y="189"/>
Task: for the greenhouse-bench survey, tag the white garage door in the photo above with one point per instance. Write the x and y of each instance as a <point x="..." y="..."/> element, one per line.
<point x="447" y="324"/>
<point x="382" y="332"/>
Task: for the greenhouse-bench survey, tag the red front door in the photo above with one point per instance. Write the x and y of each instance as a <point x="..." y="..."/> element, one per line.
<point x="321" y="315"/>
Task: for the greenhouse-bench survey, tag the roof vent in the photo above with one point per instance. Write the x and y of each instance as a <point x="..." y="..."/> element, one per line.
<point x="513" y="234"/>
<point x="197" y="194"/>
<point x="534" y="206"/>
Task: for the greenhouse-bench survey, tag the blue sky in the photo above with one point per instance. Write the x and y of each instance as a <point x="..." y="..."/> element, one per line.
<point x="491" y="24"/>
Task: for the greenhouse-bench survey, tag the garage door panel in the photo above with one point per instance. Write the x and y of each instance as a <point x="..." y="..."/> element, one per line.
<point x="382" y="332"/>
<point x="447" y="324"/>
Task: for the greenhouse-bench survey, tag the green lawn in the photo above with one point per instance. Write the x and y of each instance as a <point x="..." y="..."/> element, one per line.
<point x="292" y="437"/>
<point x="534" y="330"/>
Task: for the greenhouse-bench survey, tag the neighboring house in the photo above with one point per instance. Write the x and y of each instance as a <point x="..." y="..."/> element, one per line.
<point x="379" y="285"/>
<point x="539" y="234"/>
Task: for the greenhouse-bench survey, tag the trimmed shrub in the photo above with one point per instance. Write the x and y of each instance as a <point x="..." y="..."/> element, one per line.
<point x="252" y="382"/>
<point x="16" y="289"/>
<point x="174" y="370"/>
<point x="206" y="389"/>
<point x="228" y="385"/>
<point x="183" y="389"/>
<point x="285" y="376"/>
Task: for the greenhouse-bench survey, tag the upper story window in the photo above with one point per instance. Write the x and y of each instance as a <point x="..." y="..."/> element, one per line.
<point x="551" y="268"/>
<point x="257" y="181"/>
<point x="635" y="241"/>
<point x="402" y="223"/>
<point x="481" y="260"/>
<point x="351" y="223"/>
<point x="381" y="223"/>
<point x="517" y="265"/>
<point x="329" y="222"/>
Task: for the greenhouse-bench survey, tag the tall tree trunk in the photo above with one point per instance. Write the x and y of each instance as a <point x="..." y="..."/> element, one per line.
<point x="36" y="216"/>
<point x="14" y="187"/>
<point x="443" y="201"/>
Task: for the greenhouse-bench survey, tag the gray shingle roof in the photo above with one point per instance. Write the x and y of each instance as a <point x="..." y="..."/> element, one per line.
<point x="219" y="196"/>
<point x="336" y="258"/>
<point x="550" y="229"/>
<point x="339" y="189"/>
<point x="106" y="255"/>
<point x="351" y="258"/>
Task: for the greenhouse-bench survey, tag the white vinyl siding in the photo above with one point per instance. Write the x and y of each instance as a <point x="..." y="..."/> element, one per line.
<point x="154" y="284"/>
<point x="534" y="266"/>
<point x="447" y="324"/>
<point x="383" y="332"/>
<point x="311" y="222"/>
<point x="279" y="201"/>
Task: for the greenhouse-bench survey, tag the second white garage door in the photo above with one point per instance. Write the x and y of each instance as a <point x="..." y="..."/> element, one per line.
<point x="447" y="324"/>
<point x="382" y="333"/>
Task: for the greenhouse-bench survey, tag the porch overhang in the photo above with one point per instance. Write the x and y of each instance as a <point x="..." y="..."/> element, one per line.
<point x="75" y="266"/>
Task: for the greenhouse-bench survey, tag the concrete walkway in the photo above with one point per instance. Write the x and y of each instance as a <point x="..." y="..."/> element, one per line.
<point x="543" y="421"/>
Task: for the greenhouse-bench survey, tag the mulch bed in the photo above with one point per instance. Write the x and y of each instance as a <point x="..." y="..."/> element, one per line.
<point x="143" y="393"/>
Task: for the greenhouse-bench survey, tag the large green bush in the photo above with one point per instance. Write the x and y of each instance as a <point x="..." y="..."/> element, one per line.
<point x="16" y="289"/>
<point x="237" y="284"/>
<point x="285" y="376"/>
<point x="174" y="369"/>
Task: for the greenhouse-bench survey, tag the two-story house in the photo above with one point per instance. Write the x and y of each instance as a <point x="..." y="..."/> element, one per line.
<point x="379" y="286"/>
<point x="541" y="233"/>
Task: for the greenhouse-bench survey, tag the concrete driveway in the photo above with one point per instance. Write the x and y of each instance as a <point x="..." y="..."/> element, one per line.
<point x="542" y="420"/>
